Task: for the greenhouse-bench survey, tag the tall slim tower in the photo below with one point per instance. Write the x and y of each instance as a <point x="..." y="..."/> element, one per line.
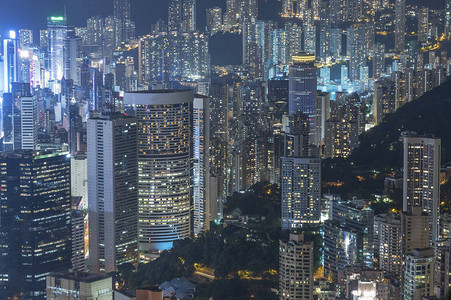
<point x="57" y="33"/>
<point x="303" y="88"/>
<point x="301" y="191"/>
<point x="165" y="156"/>
<point x="422" y="178"/>
<point x="122" y="16"/>
<point x="10" y="62"/>
<point x="201" y="163"/>
<point x="112" y="192"/>
<point x="400" y="25"/>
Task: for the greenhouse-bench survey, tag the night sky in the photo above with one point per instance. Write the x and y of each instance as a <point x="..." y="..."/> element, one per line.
<point x="16" y="14"/>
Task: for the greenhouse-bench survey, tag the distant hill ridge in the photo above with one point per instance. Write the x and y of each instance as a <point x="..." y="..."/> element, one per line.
<point x="430" y="114"/>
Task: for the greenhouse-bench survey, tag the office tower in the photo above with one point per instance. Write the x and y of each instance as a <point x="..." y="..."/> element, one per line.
<point x="124" y="24"/>
<point x="340" y="248"/>
<point x="57" y="33"/>
<point x="301" y="191"/>
<point x="19" y="118"/>
<point x="188" y="16"/>
<point x="77" y="221"/>
<point x="95" y="28"/>
<point x="214" y="20"/>
<point x="303" y="89"/>
<point x="35" y="220"/>
<point x="10" y="62"/>
<point x="25" y="38"/>
<point x="423" y="24"/>
<point x="419" y="274"/>
<point x="201" y="162"/>
<point x="296" y="268"/>
<point x="72" y="59"/>
<point x="165" y="164"/>
<point x="174" y="14"/>
<point x="414" y="230"/>
<point x="400" y="25"/>
<point x="78" y="285"/>
<point x="422" y="157"/>
<point x="390" y="251"/>
<point x="113" y="192"/>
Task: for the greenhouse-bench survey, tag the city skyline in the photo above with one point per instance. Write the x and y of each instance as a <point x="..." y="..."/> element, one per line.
<point x="226" y="149"/>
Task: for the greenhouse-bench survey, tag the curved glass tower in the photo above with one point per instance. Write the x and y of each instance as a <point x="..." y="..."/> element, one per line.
<point x="164" y="165"/>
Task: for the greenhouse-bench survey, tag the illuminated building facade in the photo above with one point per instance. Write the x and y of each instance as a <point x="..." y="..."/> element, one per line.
<point x="201" y="165"/>
<point x="10" y="62"/>
<point x="422" y="157"/>
<point x="390" y="246"/>
<point x="165" y="157"/>
<point x="166" y="57"/>
<point x="296" y="268"/>
<point x="35" y="220"/>
<point x="301" y="191"/>
<point x="112" y="192"/>
<point x="57" y="33"/>
<point x="303" y="89"/>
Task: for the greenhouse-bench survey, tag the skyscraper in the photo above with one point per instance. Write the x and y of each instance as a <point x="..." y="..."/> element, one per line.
<point x="122" y="16"/>
<point x="112" y="192"/>
<point x="201" y="162"/>
<point x="10" y="62"/>
<point x="301" y="191"/>
<point x="303" y="89"/>
<point x="57" y="33"/>
<point x="400" y="25"/>
<point x="165" y="157"/>
<point x="296" y="268"/>
<point x="422" y="157"/>
<point x="35" y="220"/>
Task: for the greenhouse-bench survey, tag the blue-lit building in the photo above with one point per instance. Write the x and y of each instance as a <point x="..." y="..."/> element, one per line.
<point x="303" y="88"/>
